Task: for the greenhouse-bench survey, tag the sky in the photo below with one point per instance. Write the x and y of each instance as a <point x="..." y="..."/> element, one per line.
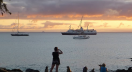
<point x="58" y="15"/>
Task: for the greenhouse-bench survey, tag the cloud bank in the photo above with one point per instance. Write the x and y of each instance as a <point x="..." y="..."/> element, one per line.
<point x="71" y="9"/>
<point x="49" y="24"/>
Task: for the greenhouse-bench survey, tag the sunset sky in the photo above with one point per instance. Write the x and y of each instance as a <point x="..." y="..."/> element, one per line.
<point x="58" y="15"/>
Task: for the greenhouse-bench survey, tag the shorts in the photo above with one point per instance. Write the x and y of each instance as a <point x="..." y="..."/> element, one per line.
<point x="56" y="61"/>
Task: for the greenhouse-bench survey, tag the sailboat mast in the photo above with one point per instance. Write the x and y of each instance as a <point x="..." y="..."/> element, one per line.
<point x="18" y="23"/>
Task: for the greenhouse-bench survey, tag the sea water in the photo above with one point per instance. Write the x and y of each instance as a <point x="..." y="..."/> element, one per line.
<point x="35" y="51"/>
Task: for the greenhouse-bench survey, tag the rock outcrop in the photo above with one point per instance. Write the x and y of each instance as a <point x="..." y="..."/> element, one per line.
<point x="31" y="70"/>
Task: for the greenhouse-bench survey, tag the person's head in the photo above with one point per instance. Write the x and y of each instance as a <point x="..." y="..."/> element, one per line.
<point x="67" y="66"/>
<point x="103" y="65"/>
<point x="46" y="67"/>
<point x="56" y="49"/>
<point x="85" y="69"/>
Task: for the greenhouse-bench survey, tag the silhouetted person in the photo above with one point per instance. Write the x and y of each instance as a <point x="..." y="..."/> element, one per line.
<point x="46" y="69"/>
<point x="85" y="69"/>
<point x="92" y="70"/>
<point x="68" y="69"/>
<point x="103" y="68"/>
<point x="56" y="59"/>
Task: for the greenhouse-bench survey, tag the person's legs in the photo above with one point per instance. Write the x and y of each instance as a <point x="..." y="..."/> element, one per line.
<point x="52" y="67"/>
<point x="57" y="68"/>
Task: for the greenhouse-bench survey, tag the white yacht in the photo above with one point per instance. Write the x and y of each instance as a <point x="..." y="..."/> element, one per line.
<point x="80" y="31"/>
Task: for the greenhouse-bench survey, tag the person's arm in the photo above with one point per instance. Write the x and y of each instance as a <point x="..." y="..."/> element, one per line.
<point x="100" y="68"/>
<point x="60" y="52"/>
<point x="106" y="70"/>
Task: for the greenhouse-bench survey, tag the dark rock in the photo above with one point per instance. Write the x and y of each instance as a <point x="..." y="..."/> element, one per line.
<point x="129" y="69"/>
<point x="7" y="70"/>
<point x="31" y="70"/>
<point x="119" y="70"/>
<point x="3" y="70"/>
<point x="15" y="70"/>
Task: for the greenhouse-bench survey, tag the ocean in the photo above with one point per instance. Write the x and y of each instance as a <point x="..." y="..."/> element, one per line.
<point x="35" y="51"/>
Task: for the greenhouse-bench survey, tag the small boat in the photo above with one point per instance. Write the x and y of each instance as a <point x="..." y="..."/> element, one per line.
<point x="81" y="37"/>
<point x="19" y="33"/>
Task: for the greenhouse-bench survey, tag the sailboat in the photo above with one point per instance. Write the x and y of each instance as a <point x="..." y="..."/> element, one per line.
<point x="19" y="33"/>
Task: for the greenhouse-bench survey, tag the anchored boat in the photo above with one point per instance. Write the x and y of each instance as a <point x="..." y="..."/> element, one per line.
<point x="80" y="31"/>
<point x="81" y="37"/>
<point x="19" y="33"/>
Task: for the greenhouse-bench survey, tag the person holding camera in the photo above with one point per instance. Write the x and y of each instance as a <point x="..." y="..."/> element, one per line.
<point x="103" y="68"/>
<point x="56" y="59"/>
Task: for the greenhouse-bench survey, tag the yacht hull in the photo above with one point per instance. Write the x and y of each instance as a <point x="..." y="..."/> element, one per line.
<point x="19" y="34"/>
<point x="66" y="33"/>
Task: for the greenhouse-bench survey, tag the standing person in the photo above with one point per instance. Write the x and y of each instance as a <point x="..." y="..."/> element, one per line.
<point x="85" y="69"/>
<point x="103" y="68"/>
<point x="56" y="59"/>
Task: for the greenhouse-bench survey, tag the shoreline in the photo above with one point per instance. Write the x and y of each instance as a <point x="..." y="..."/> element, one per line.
<point x="48" y="70"/>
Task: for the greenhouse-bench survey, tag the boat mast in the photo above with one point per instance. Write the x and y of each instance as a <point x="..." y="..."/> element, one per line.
<point x="87" y="26"/>
<point x="80" y="22"/>
<point x="18" y="23"/>
<point x="69" y="27"/>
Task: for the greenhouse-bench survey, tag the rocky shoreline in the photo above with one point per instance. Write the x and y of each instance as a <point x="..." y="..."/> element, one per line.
<point x="68" y="70"/>
<point x="46" y="70"/>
